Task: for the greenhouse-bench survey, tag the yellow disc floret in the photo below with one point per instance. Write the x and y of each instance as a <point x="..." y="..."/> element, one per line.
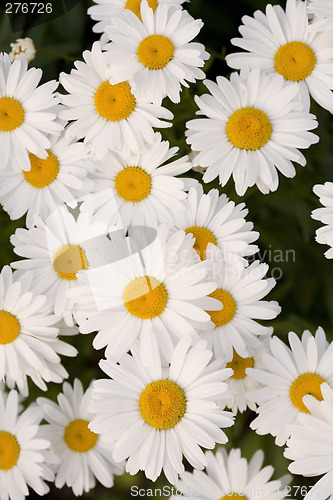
<point x="69" y="260"/>
<point x="134" y="6"/>
<point x="9" y="327"/>
<point x="295" y="61"/>
<point x="145" y="297"/>
<point x="162" y="404"/>
<point x="11" y="114"/>
<point x="307" y="383"/>
<point x="233" y="496"/>
<point x="79" y="437"/>
<point x="248" y="128"/>
<point x="114" y="102"/>
<point x="202" y="236"/>
<point x="133" y="184"/>
<point x="42" y="172"/>
<point x="222" y="317"/>
<point x="239" y="365"/>
<point x="9" y="450"/>
<point x="155" y="51"/>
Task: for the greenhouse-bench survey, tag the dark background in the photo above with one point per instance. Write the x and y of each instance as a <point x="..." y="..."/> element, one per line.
<point x="304" y="276"/>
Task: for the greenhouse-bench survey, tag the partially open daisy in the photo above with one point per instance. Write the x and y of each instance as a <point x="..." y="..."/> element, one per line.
<point x="162" y="413"/>
<point x="29" y="344"/>
<point x="26" y="113"/>
<point x="157" y="52"/>
<point x="239" y="291"/>
<point x="105" y="10"/>
<point x="24" y="455"/>
<point x="290" y="373"/>
<point x="55" y="250"/>
<point x="61" y="177"/>
<point x="252" y="130"/>
<point x="310" y="444"/>
<point x="215" y="219"/>
<point x="82" y="455"/>
<point x="322" y="11"/>
<point x="240" y="382"/>
<point x="281" y="42"/>
<point x="229" y="476"/>
<point x="23" y="48"/>
<point x="108" y="117"/>
<point x="324" y="234"/>
<point x="139" y="189"/>
<point x="158" y="294"/>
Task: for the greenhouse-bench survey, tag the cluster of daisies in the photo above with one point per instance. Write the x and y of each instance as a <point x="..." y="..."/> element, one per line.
<point x="122" y="243"/>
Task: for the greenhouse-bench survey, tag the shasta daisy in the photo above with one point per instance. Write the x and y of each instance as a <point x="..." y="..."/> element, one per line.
<point x="253" y="129"/>
<point x="82" y="455"/>
<point x="324" y="235"/>
<point x="282" y="41"/>
<point x="108" y="117"/>
<point x="157" y="52"/>
<point x="162" y="413"/>
<point x="27" y="113"/>
<point x="289" y="374"/>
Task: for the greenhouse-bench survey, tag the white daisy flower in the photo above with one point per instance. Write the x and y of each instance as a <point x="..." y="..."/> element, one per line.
<point x="55" y="250"/>
<point x="253" y="129"/>
<point x="231" y="476"/>
<point x="29" y="345"/>
<point x="61" y="177"/>
<point x="213" y="218"/>
<point x="104" y="10"/>
<point x="240" y="383"/>
<point x="108" y="117"/>
<point x="26" y="112"/>
<point x="323" y="15"/>
<point x="324" y="234"/>
<point x="24" y="455"/>
<point x="23" y="47"/>
<point x="83" y="456"/>
<point x="156" y="52"/>
<point x="310" y="445"/>
<point x="139" y="189"/>
<point x="239" y="291"/>
<point x="157" y="294"/>
<point x="156" y="415"/>
<point x="281" y="42"/>
<point x="290" y="374"/>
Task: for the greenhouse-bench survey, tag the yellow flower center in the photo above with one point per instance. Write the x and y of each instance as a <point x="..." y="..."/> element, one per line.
<point x="162" y="404"/>
<point x="307" y="383"/>
<point x="239" y="365"/>
<point x="145" y="297"/>
<point x="202" y="236"/>
<point x="233" y="496"/>
<point x="294" y="61"/>
<point x="78" y="437"/>
<point x="69" y="260"/>
<point x="11" y="114"/>
<point x="134" y="6"/>
<point x="155" y="51"/>
<point x="42" y="172"/>
<point x="222" y="317"/>
<point x="114" y="102"/>
<point x="9" y="327"/>
<point x="248" y="128"/>
<point x="133" y="184"/>
<point x="9" y="450"/>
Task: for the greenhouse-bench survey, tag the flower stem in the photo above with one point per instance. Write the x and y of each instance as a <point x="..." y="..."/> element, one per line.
<point x="58" y="55"/>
